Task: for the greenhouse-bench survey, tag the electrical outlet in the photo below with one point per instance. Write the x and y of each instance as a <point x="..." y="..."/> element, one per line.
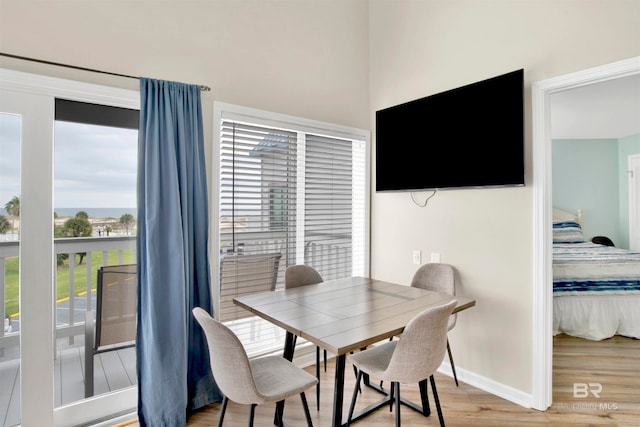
<point x="435" y="257"/>
<point x="417" y="257"/>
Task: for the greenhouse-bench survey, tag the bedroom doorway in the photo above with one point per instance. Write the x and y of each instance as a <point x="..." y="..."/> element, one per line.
<point x="634" y="201"/>
<point x="542" y="390"/>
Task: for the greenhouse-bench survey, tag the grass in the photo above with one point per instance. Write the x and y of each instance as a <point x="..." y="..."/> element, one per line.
<point x="12" y="293"/>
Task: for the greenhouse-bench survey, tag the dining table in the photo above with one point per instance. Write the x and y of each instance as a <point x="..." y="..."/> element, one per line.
<point x="343" y="316"/>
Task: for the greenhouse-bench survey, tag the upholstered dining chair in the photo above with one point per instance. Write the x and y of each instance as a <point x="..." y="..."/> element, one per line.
<point x="250" y="381"/>
<point x="439" y="278"/>
<point x="412" y="358"/>
<point x="303" y="275"/>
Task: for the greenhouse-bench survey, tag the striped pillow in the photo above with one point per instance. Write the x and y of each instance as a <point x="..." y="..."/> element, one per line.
<point x="567" y="232"/>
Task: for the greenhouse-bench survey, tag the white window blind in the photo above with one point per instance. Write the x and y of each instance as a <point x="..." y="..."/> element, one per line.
<point x="287" y="196"/>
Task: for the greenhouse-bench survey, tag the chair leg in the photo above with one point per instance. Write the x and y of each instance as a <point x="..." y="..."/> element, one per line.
<point x="354" y="397"/>
<point x="424" y="398"/>
<point x="397" y="396"/>
<point x="325" y="360"/>
<point x="305" y="406"/>
<point x="355" y="373"/>
<point x="222" y="410"/>
<point x="391" y="394"/>
<point x="355" y="370"/>
<point x="279" y="416"/>
<point x="318" y="377"/>
<point x="453" y="367"/>
<point x="435" y="398"/>
<point x="252" y="413"/>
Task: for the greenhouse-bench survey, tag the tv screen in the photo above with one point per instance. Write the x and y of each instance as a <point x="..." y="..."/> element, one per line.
<point x="468" y="137"/>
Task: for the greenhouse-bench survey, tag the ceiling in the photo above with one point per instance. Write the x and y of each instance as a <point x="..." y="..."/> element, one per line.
<point x="608" y="109"/>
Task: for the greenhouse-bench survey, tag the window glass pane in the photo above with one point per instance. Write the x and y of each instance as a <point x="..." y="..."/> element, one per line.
<point x="95" y="169"/>
<point x="10" y="142"/>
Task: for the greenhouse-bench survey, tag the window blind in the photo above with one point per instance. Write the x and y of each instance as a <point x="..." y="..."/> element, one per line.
<point x="290" y="195"/>
<point x="328" y="209"/>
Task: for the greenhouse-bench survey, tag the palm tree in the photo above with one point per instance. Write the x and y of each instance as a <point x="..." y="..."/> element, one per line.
<point x="4" y="224"/>
<point x="78" y="227"/>
<point x="82" y="214"/>
<point x="126" y="220"/>
<point x="13" y="209"/>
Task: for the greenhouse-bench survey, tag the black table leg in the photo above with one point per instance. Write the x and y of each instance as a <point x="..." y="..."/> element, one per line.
<point x="289" y="347"/>
<point x="338" y="390"/>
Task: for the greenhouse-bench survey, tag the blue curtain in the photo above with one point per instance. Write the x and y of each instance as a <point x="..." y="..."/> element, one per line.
<point x="174" y="375"/>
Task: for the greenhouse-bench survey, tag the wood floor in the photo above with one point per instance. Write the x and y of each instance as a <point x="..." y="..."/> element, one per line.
<point x="612" y="363"/>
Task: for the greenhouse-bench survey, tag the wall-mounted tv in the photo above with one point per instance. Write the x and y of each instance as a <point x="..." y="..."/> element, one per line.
<point x="468" y="137"/>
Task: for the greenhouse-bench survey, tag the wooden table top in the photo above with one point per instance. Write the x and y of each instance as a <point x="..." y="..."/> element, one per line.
<point x="348" y="314"/>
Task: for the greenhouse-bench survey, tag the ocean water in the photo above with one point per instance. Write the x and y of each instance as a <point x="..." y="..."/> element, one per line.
<point x="97" y="212"/>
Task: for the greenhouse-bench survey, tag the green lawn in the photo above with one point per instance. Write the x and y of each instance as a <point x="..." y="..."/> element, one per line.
<point x="62" y="291"/>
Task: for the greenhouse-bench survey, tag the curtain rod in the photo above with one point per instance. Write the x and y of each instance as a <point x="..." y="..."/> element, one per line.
<point x="75" y="67"/>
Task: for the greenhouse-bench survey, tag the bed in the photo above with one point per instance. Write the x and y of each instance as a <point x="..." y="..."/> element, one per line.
<point x="596" y="288"/>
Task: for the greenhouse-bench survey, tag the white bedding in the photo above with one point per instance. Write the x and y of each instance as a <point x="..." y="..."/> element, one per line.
<point x="597" y="317"/>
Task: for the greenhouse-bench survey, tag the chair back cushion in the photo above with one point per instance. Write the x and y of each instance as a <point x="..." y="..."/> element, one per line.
<point x="245" y="275"/>
<point x="229" y="362"/>
<point x="420" y="348"/>
<point x="116" y="305"/>
<point x="301" y="275"/>
<point x="437" y="277"/>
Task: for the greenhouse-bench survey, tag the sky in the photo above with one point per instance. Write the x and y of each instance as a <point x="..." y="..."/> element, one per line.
<point x="94" y="166"/>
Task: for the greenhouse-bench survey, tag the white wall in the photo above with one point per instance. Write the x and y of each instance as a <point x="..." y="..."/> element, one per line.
<point x="424" y="47"/>
<point x="304" y="58"/>
<point x="586" y="176"/>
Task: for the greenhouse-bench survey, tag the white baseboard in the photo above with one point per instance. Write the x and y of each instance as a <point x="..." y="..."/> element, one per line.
<point x="490" y="386"/>
<point x="306" y="356"/>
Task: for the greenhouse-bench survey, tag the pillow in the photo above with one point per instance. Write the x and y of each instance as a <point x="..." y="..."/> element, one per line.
<point x="560" y="215"/>
<point x="567" y="232"/>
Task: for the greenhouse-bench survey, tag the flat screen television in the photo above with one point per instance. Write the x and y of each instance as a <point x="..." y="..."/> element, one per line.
<point x="468" y="137"/>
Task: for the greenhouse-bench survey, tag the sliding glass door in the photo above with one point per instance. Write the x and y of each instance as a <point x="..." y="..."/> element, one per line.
<point x="31" y="252"/>
<point x="291" y="190"/>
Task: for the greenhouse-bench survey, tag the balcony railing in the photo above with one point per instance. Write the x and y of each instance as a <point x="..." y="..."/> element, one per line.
<point x="114" y="370"/>
<point x="70" y="315"/>
<point x="330" y="254"/>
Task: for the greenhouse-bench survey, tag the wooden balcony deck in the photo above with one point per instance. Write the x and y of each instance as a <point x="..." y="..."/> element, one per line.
<point x="113" y="370"/>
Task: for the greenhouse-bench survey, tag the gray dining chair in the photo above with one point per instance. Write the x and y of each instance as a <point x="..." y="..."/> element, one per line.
<point x="303" y="275"/>
<point x="250" y="381"/>
<point x="439" y="277"/>
<point x="412" y="358"/>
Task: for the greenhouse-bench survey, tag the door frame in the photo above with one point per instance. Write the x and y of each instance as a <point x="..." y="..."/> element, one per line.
<point x="542" y="381"/>
<point x="634" y="203"/>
